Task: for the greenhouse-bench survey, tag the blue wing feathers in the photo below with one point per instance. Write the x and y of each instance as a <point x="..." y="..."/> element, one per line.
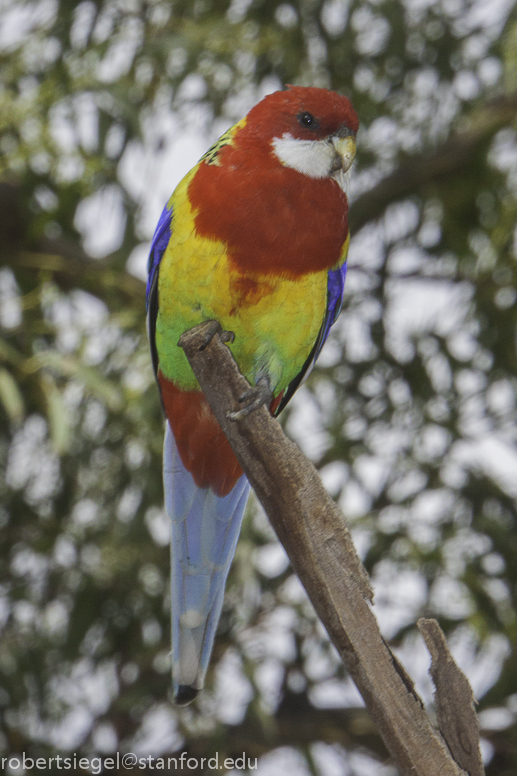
<point x="159" y="243"/>
<point x="335" y="288"/>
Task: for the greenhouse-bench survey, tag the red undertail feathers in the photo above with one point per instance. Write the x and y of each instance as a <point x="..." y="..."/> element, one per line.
<point x="204" y="450"/>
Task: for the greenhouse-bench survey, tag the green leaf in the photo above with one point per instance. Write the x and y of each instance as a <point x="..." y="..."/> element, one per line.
<point x="11" y="397"/>
<point x="57" y="413"/>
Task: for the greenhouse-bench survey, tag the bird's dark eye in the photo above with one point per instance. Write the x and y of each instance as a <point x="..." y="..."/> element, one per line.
<point x="307" y="120"/>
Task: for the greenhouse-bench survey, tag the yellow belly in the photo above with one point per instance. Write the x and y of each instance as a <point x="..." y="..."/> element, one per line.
<point x="275" y="320"/>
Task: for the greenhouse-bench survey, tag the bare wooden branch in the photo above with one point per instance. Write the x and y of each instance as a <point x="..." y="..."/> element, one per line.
<point x="317" y="541"/>
<point x="455" y="711"/>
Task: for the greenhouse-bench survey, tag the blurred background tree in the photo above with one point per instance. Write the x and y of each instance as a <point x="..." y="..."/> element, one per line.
<point x="410" y="416"/>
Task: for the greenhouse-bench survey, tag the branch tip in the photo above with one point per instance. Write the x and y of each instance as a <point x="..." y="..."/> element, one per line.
<point x="457" y="719"/>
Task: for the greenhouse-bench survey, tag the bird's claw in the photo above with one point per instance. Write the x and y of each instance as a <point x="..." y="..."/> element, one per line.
<point x="211" y="329"/>
<point x="253" y="398"/>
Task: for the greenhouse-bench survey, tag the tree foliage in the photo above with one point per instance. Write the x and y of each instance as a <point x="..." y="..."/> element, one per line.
<point x="410" y="415"/>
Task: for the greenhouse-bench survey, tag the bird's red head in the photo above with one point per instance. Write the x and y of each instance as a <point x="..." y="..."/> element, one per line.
<point x="303" y="112"/>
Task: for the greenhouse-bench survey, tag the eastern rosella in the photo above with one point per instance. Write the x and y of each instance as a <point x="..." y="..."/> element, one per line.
<point x="255" y="236"/>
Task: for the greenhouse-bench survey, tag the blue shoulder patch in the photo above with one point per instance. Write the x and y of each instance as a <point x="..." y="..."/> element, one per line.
<point x="161" y="238"/>
<point x="335" y="288"/>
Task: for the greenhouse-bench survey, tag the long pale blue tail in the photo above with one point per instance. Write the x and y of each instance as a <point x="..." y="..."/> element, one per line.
<point x="205" y="529"/>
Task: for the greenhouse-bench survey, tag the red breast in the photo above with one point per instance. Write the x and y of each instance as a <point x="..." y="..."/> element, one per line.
<point x="273" y="219"/>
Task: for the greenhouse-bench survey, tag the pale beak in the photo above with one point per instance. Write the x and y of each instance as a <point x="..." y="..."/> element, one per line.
<point x="345" y="148"/>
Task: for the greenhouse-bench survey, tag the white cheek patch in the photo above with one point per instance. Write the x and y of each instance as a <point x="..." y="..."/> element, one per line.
<point x="314" y="158"/>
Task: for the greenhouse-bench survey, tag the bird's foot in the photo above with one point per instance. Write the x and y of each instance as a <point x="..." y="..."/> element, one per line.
<point x="211" y="329"/>
<point x="254" y="397"/>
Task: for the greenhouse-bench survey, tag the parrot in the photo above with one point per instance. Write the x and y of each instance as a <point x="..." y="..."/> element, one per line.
<point x="255" y="237"/>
